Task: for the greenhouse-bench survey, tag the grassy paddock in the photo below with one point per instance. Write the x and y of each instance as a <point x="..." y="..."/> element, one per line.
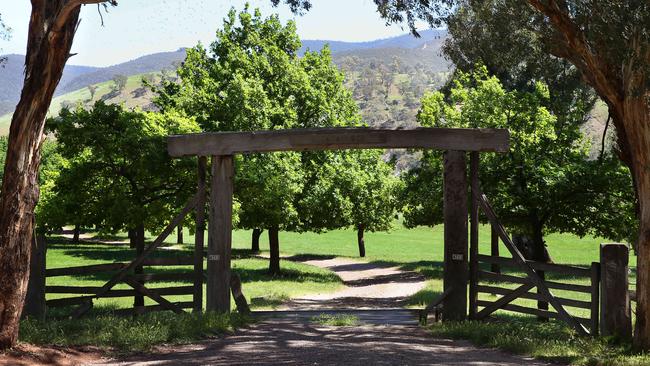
<point x="551" y="341"/>
<point x="419" y="249"/>
<point x="261" y="289"/>
<point x="127" y="334"/>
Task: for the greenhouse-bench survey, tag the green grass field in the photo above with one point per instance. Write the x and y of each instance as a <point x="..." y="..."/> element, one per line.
<point x="419" y="249"/>
<point x="261" y="290"/>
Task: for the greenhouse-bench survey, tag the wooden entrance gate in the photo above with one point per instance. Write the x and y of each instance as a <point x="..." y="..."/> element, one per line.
<point x="533" y="275"/>
<point x="455" y="142"/>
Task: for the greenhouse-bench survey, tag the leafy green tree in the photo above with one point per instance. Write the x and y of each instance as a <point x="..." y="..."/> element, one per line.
<point x="370" y="184"/>
<point x="92" y="89"/>
<point x="252" y="79"/>
<point x="544" y="184"/>
<point x="118" y="175"/>
<point x="119" y="83"/>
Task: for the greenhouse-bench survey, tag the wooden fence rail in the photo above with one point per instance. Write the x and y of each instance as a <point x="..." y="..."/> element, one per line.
<point x="492" y="280"/>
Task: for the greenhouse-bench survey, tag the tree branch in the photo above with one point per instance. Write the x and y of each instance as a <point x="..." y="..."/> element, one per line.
<point x="577" y="50"/>
<point x="72" y="5"/>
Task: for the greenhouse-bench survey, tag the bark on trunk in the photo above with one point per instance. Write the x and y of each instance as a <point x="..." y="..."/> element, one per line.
<point x="361" y="241"/>
<point x="138" y="242"/>
<point x="539" y="250"/>
<point x="132" y="238"/>
<point x="51" y="31"/>
<point x="637" y="122"/>
<point x="274" y="246"/>
<point x="255" y="240"/>
<point x="75" y="234"/>
<point x="532" y="247"/>
<point x="179" y="234"/>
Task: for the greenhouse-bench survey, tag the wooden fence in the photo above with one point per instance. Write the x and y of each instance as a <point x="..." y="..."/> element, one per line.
<point x="86" y="293"/>
<point x="489" y="281"/>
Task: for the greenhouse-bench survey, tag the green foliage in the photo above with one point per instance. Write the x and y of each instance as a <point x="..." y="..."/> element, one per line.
<point x="126" y="334"/>
<point x="251" y="78"/>
<point x="550" y="341"/>
<point x="266" y="186"/>
<point x="355" y="188"/>
<point x="119" y="83"/>
<point x="117" y="173"/>
<point x="544" y="184"/>
<point x="5" y="34"/>
<point x="336" y="320"/>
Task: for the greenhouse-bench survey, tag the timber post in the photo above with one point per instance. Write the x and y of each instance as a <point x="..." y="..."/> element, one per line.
<point x="615" y="312"/>
<point x="35" y="298"/>
<point x="456" y="269"/>
<point x="220" y="234"/>
<point x="473" y="245"/>
<point x="199" y="240"/>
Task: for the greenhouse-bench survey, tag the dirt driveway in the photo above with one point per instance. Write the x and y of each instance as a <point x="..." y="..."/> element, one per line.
<point x="386" y="334"/>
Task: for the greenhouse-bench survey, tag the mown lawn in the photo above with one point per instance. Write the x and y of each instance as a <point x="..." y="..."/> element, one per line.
<point x="261" y="289"/>
<point x="419" y="249"/>
<point x="125" y="334"/>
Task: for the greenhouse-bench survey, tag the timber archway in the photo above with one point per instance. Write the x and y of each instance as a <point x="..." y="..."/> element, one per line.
<point x="222" y="146"/>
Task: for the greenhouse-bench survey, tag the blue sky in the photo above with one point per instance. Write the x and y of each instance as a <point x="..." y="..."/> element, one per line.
<point x="139" y="27"/>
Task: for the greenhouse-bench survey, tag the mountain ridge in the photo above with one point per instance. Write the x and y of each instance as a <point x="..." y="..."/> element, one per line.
<point x="77" y="77"/>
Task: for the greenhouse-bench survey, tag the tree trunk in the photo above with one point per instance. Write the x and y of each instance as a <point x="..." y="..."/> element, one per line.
<point x="637" y="124"/>
<point x="361" y="241"/>
<point x="538" y="250"/>
<point x="179" y="234"/>
<point x="138" y="242"/>
<point x="255" y="240"/>
<point x="75" y="234"/>
<point x="51" y="31"/>
<point x="274" y="246"/>
<point x="131" y="233"/>
<point x="532" y="247"/>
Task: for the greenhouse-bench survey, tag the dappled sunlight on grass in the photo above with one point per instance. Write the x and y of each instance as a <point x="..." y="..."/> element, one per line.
<point x="551" y="341"/>
<point x="124" y="334"/>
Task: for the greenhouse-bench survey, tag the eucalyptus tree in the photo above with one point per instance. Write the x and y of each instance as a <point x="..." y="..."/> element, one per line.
<point x="545" y="184"/>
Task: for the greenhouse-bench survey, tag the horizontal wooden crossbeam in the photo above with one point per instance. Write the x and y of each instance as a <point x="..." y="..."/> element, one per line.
<point x="229" y="143"/>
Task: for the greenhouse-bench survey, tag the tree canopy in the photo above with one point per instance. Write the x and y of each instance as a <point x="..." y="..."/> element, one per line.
<point x="117" y="174"/>
<point x="252" y="78"/>
<point x="545" y="184"/>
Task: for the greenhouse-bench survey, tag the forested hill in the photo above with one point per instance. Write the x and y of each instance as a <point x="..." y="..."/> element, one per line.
<point x="409" y="49"/>
<point x="12" y="75"/>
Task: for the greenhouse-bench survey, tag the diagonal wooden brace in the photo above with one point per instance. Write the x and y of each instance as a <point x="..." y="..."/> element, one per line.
<point x="504" y="300"/>
<point x="118" y="277"/>
<point x="530" y="272"/>
<point x="152" y="295"/>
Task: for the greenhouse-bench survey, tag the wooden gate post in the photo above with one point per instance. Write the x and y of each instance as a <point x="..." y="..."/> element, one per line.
<point x="615" y="312"/>
<point x="456" y="270"/>
<point x="199" y="236"/>
<point x="220" y="234"/>
<point x="35" y="298"/>
<point x="473" y="235"/>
